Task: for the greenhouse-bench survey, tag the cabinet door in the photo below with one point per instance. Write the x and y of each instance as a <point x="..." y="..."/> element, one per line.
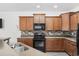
<point x="54" y="45"/>
<point x="57" y="23"/>
<point x="60" y="43"/>
<point x="39" y="18"/>
<point x="42" y="18"/>
<point x="29" y="23"/>
<point x="65" y="22"/>
<point x="27" y="41"/>
<point x="70" y="48"/>
<point x="49" y="23"/>
<point x="23" y="23"/>
<point x="50" y="44"/>
<point x="36" y="19"/>
<point x="74" y="21"/>
<point x="21" y="40"/>
<point x="78" y="17"/>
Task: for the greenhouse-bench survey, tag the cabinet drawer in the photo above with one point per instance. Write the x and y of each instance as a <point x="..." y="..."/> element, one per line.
<point x="27" y="41"/>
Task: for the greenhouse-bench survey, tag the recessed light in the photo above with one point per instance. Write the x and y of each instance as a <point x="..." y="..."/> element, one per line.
<point x="38" y="6"/>
<point x="55" y="6"/>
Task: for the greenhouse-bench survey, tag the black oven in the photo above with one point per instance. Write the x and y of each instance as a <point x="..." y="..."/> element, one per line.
<point x="39" y="26"/>
<point x="39" y="36"/>
<point x="39" y="45"/>
<point x="39" y="41"/>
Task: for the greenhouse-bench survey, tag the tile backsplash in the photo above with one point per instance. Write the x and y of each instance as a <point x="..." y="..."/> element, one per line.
<point x="51" y="33"/>
<point x="74" y="33"/>
<point x="27" y="33"/>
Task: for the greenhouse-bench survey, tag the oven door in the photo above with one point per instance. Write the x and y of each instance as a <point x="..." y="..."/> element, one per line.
<point x="39" y="45"/>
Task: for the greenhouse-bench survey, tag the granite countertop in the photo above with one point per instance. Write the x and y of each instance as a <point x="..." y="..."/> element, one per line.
<point x="31" y="51"/>
<point x="30" y="36"/>
<point x="7" y="51"/>
<point x="69" y="38"/>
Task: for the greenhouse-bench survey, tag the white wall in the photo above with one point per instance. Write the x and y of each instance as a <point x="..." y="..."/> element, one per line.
<point x="11" y="23"/>
<point x="75" y="9"/>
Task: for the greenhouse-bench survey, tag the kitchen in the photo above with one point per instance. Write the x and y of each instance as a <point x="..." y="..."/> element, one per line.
<point x="56" y="39"/>
<point x="60" y="30"/>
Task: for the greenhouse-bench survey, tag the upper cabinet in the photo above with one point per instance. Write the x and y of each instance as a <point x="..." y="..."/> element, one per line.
<point x="39" y="18"/>
<point x="53" y="23"/>
<point x="74" y="22"/>
<point x="26" y="23"/>
<point x="49" y="23"/>
<point x="57" y="23"/>
<point x="65" y="21"/>
<point x="78" y="17"/>
<point x="30" y="23"/>
<point x="23" y="23"/>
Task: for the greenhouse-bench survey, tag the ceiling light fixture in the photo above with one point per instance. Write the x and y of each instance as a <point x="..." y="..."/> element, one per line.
<point x="55" y="6"/>
<point x="38" y="6"/>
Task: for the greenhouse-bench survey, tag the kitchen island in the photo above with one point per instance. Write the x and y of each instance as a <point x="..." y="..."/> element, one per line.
<point x="5" y="50"/>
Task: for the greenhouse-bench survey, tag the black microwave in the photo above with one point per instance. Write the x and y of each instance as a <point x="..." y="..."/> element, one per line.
<point x="39" y="26"/>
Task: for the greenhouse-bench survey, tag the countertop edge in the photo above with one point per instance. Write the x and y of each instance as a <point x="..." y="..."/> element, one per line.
<point x="71" y="39"/>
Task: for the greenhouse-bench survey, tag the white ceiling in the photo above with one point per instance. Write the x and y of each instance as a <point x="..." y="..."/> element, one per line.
<point x="32" y="6"/>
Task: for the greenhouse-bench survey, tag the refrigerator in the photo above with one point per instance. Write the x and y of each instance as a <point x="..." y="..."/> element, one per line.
<point x="77" y="40"/>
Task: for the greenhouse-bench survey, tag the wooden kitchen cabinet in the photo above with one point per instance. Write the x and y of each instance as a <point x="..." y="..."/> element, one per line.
<point x="49" y="23"/>
<point x="26" y="23"/>
<point x="66" y="21"/>
<point x="27" y="41"/>
<point x="29" y="22"/>
<point x="23" y="23"/>
<point x="57" y="23"/>
<point x="74" y="22"/>
<point x="39" y="18"/>
<point x="36" y="19"/>
<point x="54" y="44"/>
<point x="70" y="47"/>
<point x="53" y="23"/>
<point x="78" y="17"/>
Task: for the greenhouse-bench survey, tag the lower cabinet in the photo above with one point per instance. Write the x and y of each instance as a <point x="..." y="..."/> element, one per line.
<point x="70" y="47"/>
<point x="27" y="41"/>
<point x="59" y="44"/>
<point x="54" y="44"/>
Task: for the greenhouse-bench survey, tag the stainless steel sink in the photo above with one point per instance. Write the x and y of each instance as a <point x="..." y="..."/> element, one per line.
<point x="20" y="48"/>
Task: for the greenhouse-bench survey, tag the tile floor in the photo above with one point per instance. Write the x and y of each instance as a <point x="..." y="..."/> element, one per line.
<point x="57" y="54"/>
